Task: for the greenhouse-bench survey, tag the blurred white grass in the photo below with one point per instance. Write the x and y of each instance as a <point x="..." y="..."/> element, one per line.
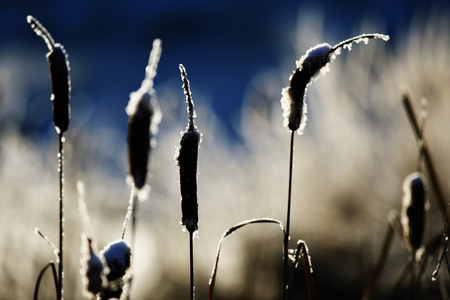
<point x="349" y="167"/>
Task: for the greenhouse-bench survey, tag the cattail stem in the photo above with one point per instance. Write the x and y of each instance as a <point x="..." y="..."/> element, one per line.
<point x="444" y="253"/>
<point x="191" y="259"/>
<point x="427" y="155"/>
<point x="402" y="277"/>
<point x="61" y="217"/>
<point x="41" y="274"/>
<point x="129" y="212"/>
<point x="288" y="220"/>
<point x="381" y="262"/>
<point x="308" y="268"/>
<point x="134" y="217"/>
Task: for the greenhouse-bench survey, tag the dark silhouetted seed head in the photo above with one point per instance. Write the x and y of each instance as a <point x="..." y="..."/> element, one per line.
<point x="92" y="268"/>
<point x="414" y="208"/>
<point x="143" y="119"/>
<point x="187" y="162"/>
<point x="138" y="139"/>
<point x="59" y="75"/>
<point x="117" y="256"/>
<point x="310" y="66"/>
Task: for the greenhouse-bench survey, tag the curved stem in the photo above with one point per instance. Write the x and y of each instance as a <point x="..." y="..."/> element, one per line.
<point x="212" y="280"/>
<point x="288" y="219"/>
<point x="41" y="274"/>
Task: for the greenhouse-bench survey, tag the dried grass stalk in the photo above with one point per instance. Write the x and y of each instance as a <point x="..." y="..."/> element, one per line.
<point x="212" y="280"/>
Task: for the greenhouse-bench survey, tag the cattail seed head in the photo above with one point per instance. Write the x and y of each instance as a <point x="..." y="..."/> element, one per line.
<point x="117" y="256"/>
<point x="293" y="97"/>
<point x="187" y="162"/>
<point x="144" y="116"/>
<point x="310" y="65"/>
<point x="138" y="139"/>
<point x="91" y="268"/>
<point x="415" y="205"/>
<point x="59" y="75"/>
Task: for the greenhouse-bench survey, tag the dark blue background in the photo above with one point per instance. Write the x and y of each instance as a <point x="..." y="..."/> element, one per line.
<point x="221" y="43"/>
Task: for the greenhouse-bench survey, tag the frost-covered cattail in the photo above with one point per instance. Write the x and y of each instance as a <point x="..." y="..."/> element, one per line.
<point x="91" y="265"/>
<point x="415" y="205"/>
<point x="117" y="256"/>
<point x="144" y="116"/>
<point x="187" y="162"/>
<point x="91" y="268"/>
<point x="59" y="74"/>
<point x="310" y="66"/>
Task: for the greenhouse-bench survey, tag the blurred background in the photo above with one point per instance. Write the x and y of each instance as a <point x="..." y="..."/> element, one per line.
<point x="349" y="164"/>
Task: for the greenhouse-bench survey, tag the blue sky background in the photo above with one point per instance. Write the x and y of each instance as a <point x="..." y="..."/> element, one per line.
<point x="221" y="43"/>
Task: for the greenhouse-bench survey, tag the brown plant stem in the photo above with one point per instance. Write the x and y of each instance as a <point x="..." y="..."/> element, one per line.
<point x="303" y="249"/>
<point x="427" y="155"/>
<point x="288" y="220"/>
<point x="381" y="262"/>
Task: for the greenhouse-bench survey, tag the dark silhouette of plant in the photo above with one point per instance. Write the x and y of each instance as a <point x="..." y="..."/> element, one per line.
<point x="294" y="107"/>
<point x="187" y="159"/>
<point x="60" y="79"/>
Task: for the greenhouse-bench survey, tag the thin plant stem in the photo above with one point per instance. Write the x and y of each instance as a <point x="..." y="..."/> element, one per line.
<point x="302" y="249"/>
<point x="435" y="273"/>
<point x="134" y="216"/>
<point x="288" y="219"/>
<point x="61" y="217"/>
<point x="427" y="155"/>
<point x="41" y="274"/>
<point x="129" y="212"/>
<point x="48" y="241"/>
<point x="191" y="258"/>
<point x="402" y="277"/>
<point x="308" y="272"/>
<point x="382" y="259"/>
<point x="212" y="280"/>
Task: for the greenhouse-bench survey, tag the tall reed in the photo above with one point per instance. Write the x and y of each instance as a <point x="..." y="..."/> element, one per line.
<point x="187" y="158"/>
<point x="60" y="80"/>
<point x="293" y="103"/>
<point x="143" y="119"/>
